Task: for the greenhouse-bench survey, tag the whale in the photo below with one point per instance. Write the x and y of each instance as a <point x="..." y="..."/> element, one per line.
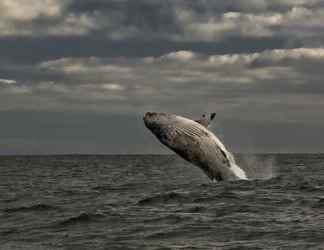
<point x="195" y="143"/>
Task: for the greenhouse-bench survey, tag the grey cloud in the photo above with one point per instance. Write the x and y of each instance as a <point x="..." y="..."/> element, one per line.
<point x="41" y="18"/>
<point x="222" y="82"/>
<point x="199" y="21"/>
<point x="167" y="20"/>
<point x="21" y="10"/>
<point x="7" y="81"/>
<point x="15" y="51"/>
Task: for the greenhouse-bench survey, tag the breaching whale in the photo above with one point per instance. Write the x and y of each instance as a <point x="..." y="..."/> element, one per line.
<point x="195" y="143"/>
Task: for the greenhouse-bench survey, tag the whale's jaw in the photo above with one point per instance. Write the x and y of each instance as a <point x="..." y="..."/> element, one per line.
<point x="194" y="143"/>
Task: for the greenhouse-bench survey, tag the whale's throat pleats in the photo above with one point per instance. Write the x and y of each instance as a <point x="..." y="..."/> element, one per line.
<point x="190" y="130"/>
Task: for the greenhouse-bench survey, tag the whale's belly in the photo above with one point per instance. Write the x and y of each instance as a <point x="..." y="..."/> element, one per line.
<point x="204" y="153"/>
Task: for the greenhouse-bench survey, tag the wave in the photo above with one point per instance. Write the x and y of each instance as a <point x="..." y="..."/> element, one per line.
<point x="164" y="198"/>
<point x="33" y="207"/>
<point x="81" y="218"/>
<point x="170" y="218"/>
<point x="8" y="232"/>
<point x="319" y="203"/>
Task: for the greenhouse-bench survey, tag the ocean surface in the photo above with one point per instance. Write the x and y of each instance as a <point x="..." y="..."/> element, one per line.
<point x="159" y="202"/>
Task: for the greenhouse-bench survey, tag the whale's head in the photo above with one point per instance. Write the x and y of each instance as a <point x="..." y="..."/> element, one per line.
<point x="172" y="130"/>
<point x="162" y="125"/>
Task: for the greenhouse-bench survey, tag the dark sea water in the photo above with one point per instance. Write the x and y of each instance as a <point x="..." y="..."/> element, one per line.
<point x="159" y="202"/>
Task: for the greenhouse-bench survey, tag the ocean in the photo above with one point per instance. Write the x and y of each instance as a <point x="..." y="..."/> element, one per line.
<point x="159" y="202"/>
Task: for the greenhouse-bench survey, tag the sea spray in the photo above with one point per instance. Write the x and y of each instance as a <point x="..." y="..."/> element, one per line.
<point x="258" y="166"/>
<point x="251" y="165"/>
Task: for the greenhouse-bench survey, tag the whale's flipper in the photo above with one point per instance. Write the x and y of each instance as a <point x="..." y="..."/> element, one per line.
<point x="212" y="116"/>
<point x="204" y="121"/>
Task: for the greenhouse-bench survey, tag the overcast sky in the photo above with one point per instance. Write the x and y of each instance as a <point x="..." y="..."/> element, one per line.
<point x="77" y="76"/>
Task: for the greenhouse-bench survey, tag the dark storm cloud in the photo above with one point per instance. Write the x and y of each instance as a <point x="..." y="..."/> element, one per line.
<point x="168" y="20"/>
<point x="64" y="60"/>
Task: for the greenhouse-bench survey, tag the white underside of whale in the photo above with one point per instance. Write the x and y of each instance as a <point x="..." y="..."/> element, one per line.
<point x="198" y="131"/>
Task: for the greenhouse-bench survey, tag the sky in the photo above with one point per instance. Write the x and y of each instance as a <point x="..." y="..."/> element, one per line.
<point x="77" y="76"/>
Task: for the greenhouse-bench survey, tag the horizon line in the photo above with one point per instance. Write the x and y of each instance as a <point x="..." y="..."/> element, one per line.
<point x="148" y="154"/>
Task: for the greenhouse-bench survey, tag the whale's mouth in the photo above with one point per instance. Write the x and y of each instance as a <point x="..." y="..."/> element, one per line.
<point x="158" y="124"/>
<point x="151" y="121"/>
<point x="149" y="115"/>
<point x="148" y="118"/>
<point x="155" y="119"/>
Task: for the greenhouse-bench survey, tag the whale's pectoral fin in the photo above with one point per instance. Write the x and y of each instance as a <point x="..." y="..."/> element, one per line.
<point x="212" y="116"/>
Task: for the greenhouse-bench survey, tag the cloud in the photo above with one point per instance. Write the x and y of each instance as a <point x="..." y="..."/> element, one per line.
<point x="72" y="25"/>
<point x="215" y="27"/>
<point x="28" y="10"/>
<point x="88" y="69"/>
<point x="208" y="21"/>
<point x="7" y="81"/>
<point x="42" y="18"/>
<point x="112" y="86"/>
<point x="247" y="85"/>
<point x="182" y="55"/>
<point x="176" y="21"/>
<point x="188" y="67"/>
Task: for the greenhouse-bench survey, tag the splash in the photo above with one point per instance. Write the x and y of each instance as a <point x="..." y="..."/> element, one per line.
<point x="250" y="166"/>
<point x="259" y="166"/>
